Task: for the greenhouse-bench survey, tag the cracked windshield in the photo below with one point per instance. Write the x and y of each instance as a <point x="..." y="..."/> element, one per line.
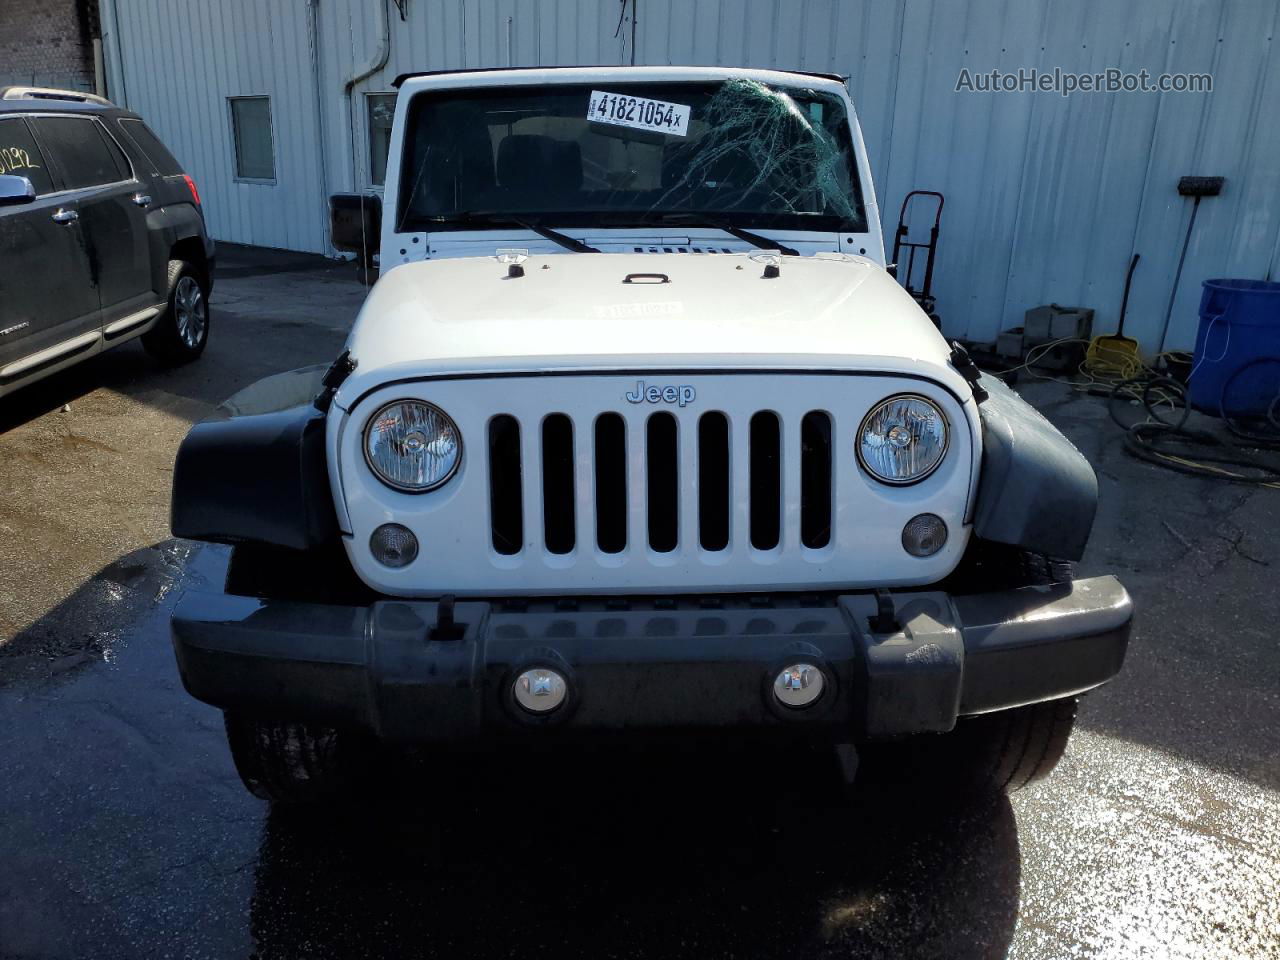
<point x="735" y="153"/>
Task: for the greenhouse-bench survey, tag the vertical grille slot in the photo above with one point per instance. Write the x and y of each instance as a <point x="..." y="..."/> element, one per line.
<point x="557" y="483"/>
<point x="815" y="479"/>
<point x="713" y="481"/>
<point x="663" y="482"/>
<point x="506" y="510"/>
<point x="611" y="483"/>
<point x="766" y="481"/>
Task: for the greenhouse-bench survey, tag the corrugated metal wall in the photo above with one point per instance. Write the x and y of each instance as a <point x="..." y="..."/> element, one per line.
<point x="1047" y="197"/>
<point x="177" y="62"/>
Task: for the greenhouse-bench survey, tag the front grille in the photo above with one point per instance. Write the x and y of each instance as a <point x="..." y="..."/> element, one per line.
<point x="611" y="483"/>
<point x="506" y="510"/>
<point x="557" y="484"/>
<point x="681" y="469"/>
<point x="713" y="481"/>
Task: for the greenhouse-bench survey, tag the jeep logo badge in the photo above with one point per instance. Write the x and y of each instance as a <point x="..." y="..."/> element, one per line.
<point x="682" y="394"/>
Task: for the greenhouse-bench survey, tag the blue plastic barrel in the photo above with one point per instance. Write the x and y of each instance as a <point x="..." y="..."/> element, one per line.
<point x="1236" y="367"/>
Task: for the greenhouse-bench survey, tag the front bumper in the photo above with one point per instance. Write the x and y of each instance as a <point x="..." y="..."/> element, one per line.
<point x="645" y="667"/>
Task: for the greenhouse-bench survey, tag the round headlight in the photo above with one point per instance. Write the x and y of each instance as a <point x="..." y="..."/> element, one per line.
<point x="412" y="446"/>
<point x="902" y="439"/>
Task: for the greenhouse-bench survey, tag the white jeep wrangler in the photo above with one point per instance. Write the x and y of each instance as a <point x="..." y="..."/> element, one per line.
<point x="636" y="435"/>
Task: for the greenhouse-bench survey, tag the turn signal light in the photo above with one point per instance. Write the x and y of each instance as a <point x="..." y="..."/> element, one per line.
<point x="393" y="545"/>
<point x="924" y="535"/>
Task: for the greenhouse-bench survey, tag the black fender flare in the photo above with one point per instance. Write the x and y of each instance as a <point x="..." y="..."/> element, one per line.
<point x="1036" y="490"/>
<point x="255" y="471"/>
<point x="166" y="228"/>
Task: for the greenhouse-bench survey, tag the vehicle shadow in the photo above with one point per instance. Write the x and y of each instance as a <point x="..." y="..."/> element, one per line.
<point x="115" y="370"/>
<point x="747" y="854"/>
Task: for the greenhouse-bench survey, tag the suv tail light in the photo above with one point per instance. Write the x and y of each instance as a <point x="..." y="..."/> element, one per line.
<point x="191" y="185"/>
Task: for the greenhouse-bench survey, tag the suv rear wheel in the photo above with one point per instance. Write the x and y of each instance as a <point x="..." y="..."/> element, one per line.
<point x="182" y="331"/>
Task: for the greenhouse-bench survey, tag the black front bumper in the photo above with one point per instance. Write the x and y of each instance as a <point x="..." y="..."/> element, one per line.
<point x="687" y="664"/>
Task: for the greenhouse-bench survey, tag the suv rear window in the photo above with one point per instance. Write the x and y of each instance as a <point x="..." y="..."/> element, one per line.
<point x="21" y="157"/>
<point x="152" y="148"/>
<point x="81" y="150"/>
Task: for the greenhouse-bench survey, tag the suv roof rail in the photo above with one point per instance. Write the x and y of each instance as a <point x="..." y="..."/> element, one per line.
<point x="838" y="77"/>
<point x="51" y="93"/>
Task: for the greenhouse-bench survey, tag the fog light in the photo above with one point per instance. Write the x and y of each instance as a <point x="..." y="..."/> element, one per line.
<point x="924" y="535"/>
<point x="393" y="545"/>
<point x="798" y="685"/>
<point x="540" y="690"/>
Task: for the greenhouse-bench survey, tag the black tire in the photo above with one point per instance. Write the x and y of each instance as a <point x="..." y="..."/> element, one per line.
<point x="1010" y="749"/>
<point x="323" y="575"/>
<point x="987" y="567"/>
<point x="991" y="753"/>
<point x="181" y="333"/>
<point x="297" y="763"/>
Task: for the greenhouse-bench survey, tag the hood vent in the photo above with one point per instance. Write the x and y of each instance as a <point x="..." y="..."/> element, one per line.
<point x="681" y="249"/>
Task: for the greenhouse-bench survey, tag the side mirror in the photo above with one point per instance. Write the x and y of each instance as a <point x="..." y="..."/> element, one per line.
<point x="355" y="224"/>
<point x="15" y="190"/>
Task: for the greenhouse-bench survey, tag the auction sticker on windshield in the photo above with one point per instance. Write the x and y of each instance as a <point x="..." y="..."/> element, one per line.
<point x="639" y="112"/>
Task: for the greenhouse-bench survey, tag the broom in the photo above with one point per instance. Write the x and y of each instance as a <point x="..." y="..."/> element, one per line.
<point x="1115" y="353"/>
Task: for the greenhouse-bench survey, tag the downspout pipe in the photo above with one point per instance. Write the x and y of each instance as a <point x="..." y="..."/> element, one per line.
<point x="115" y="54"/>
<point x="322" y="153"/>
<point x="368" y="69"/>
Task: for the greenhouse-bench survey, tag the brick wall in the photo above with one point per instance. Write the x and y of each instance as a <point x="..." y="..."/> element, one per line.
<point x="47" y="42"/>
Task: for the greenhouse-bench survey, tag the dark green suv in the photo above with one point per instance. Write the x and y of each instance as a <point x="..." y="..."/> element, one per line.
<point x="102" y="238"/>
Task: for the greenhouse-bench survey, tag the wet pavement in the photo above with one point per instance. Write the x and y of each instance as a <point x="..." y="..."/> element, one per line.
<point x="86" y="456"/>
<point x="124" y="831"/>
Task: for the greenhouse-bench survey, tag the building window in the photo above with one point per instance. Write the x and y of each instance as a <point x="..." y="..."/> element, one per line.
<point x="251" y="130"/>
<point x="381" y="109"/>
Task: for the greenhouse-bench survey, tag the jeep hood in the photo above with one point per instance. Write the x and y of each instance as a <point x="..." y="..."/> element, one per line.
<point x="641" y="312"/>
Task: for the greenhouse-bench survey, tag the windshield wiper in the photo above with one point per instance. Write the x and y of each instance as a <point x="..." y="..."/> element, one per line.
<point x="711" y="220"/>
<point x="485" y="219"/>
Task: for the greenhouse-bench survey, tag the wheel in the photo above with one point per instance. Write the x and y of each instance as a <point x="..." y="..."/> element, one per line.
<point x="991" y="753"/>
<point x="1009" y="749"/>
<point x="323" y="575"/>
<point x="988" y="567"/>
<point x="296" y="763"/>
<point x="182" y="331"/>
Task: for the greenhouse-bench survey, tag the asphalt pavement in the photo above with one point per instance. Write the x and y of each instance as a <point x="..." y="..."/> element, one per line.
<point x="124" y="831"/>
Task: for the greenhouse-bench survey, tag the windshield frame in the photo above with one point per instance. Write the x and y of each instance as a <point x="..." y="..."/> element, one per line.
<point x="862" y="199"/>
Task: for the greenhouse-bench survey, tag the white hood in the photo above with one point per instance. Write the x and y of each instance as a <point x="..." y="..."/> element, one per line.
<point x="574" y="311"/>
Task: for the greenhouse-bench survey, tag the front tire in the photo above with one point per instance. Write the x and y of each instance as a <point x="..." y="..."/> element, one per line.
<point x="320" y="575"/>
<point x="988" y="567"/>
<point x="181" y="333"/>
<point x="296" y="764"/>
<point x="992" y="753"/>
<point x="995" y="752"/>
<point x="1011" y="749"/>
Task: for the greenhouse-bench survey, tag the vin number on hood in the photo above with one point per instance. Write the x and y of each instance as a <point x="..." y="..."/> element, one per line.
<point x="638" y="112"/>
